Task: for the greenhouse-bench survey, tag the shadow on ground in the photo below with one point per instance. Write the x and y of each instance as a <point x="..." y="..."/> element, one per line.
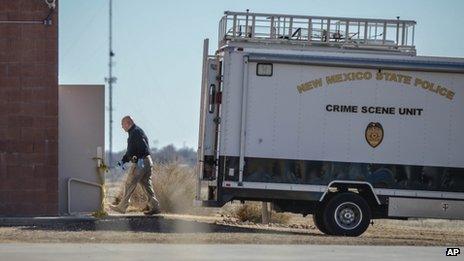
<point x="158" y="224"/>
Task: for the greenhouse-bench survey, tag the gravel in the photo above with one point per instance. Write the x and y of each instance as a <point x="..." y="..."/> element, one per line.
<point x="226" y="230"/>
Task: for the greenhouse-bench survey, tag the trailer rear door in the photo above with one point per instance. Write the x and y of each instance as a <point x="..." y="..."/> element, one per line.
<point x="209" y="118"/>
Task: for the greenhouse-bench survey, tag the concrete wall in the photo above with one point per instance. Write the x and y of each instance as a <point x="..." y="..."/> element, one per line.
<point x="28" y="110"/>
<point x="82" y="132"/>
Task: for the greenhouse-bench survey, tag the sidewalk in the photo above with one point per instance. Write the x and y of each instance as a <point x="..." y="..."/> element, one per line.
<point x="35" y="221"/>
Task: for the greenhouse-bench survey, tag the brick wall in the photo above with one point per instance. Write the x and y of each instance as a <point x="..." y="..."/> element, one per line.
<point x="28" y="110"/>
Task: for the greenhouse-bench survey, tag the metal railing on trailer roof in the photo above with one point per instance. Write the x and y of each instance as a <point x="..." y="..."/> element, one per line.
<point x="382" y="34"/>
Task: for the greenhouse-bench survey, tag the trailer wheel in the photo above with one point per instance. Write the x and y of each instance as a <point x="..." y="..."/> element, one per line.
<point x="347" y="214"/>
<point x="318" y="219"/>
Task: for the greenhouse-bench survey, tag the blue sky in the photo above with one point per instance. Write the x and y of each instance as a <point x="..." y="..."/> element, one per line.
<point x="158" y="46"/>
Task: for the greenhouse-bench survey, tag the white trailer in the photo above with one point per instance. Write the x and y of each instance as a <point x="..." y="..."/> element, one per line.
<point x="334" y="117"/>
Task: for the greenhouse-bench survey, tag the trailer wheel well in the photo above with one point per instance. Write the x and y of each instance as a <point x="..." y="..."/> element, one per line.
<point x="364" y="189"/>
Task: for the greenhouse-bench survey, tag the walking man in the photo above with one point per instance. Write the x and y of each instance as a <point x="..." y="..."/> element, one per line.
<point x="138" y="153"/>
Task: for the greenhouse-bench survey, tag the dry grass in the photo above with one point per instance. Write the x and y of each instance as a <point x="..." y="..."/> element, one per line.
<point x="251" y="212"/>
<point x="174" y="186"/>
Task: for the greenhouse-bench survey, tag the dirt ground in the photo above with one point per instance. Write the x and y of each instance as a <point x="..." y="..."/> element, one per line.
<point x="216" y="229"/>
<point x="218" y="226"/>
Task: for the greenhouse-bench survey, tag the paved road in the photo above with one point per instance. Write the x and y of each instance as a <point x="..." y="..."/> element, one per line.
<point x="115" y="252"/>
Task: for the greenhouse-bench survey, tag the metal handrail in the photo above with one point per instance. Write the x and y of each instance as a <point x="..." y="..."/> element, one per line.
<point x="316" y="17"/>
<point x="318" y="30"/>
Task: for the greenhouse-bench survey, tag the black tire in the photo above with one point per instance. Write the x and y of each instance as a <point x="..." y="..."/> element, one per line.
<point x="347" y="214"/>
<point x="318" y="219"/>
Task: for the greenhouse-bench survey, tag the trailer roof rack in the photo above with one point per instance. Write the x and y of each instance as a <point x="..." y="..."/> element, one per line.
<point x="342" y="32"/>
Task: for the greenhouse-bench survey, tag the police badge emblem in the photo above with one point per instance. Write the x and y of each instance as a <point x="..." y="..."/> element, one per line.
<point x="374" y="134"/>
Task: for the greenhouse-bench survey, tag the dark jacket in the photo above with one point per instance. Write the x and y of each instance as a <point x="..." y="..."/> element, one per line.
<point x="137" y="144"/>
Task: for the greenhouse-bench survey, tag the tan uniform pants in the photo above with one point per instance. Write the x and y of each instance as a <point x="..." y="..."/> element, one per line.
<point x="138" y="175"/>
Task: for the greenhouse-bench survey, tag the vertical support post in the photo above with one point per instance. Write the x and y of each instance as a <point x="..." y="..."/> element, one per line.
<point x="370" y="32"/>
<point x="407" y="34"/>
<point x="234" y="31"/>
<point x="243" y="119"/>
<point x="246" y="25"/>
<point x="253" y="25"/>
<point x="322" y="30"/>
<point x="272" y="32"/>
<point x="290" y="28"/>
<point x="265" y="213"/>
<point x="397" y="33"/>
<point x="201" y="132"/>
<point x="327" y="38"/>
<point x="225" y="27"/>
<point x="413" y="33"/>
<point x="365" y="32"/>
<point x="310" y="30"/>
<point x="403" y="33"/>
<point x="283" y="27"/>
<point x="384" y="36"/>
<point x="110" y="83"/>
<point x="221" y="23"/>
<point x="347" y="30"/>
